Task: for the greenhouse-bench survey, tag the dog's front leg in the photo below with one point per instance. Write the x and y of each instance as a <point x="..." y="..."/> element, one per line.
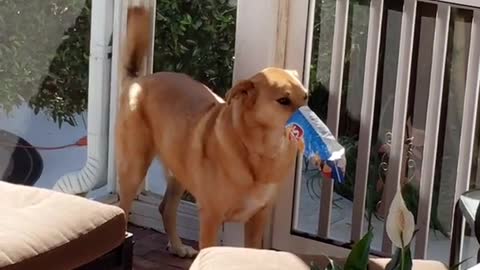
<point x="209" y="227"/>
<point x="255" y="228"/>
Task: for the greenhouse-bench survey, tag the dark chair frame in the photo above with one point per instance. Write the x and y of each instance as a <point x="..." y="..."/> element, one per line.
<point x="120" y="258"/>
<point x="456" y="237"/>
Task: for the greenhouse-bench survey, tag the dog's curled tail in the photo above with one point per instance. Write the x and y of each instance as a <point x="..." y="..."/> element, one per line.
<point x="137" y="41"/>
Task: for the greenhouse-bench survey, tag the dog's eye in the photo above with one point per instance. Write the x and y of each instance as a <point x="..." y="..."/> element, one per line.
<point x="284" y="101"/>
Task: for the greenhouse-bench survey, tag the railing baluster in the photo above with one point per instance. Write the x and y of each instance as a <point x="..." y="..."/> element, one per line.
<point x="366" y="117"/>
<point x="470" y="110"/>
<point x="334" y="104"/>
<point x="427" y="176"/>
<point x="400" y="109"/>
<point x="305" y="74"/>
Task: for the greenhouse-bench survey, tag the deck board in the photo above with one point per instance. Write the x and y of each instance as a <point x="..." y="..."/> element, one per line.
<point x="150" y="252"/>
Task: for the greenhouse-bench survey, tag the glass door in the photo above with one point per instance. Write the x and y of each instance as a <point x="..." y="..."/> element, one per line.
<point x="334" y="40"/>
<point x="54" y="73"/>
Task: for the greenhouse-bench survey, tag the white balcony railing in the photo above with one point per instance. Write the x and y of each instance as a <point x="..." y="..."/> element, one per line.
<point x="398" y="150"/>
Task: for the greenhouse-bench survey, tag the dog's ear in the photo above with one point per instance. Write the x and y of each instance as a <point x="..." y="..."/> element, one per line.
<point x="242" y="89"/>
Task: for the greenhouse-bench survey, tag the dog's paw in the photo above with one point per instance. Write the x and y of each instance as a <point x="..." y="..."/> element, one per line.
<point x="182" y="251"/>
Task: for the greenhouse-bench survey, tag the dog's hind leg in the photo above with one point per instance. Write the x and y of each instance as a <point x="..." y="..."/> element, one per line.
<point x="168" y="209"/>
<point x="134" y="156"/>
<point x="130" y="176"/>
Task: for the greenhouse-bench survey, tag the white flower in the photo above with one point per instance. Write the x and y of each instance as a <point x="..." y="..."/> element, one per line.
<point x="400" y="222"/>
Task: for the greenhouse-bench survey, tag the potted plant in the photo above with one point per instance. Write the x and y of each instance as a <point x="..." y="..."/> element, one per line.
<point x="400" y="229"/>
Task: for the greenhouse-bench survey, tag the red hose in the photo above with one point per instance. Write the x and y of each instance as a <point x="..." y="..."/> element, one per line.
<point x="80" y="142"/>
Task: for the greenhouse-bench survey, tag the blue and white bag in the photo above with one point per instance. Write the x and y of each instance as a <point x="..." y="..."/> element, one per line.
<point x="320" y="146"/>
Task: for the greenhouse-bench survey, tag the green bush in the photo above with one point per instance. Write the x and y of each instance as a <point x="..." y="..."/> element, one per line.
<point x="196" y="37"/>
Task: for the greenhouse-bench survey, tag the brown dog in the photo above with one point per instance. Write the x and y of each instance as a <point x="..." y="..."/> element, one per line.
<point x="230" y="155"/>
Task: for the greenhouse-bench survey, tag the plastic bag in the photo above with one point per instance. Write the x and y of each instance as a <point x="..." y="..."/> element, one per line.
<point x="317" y="143"/>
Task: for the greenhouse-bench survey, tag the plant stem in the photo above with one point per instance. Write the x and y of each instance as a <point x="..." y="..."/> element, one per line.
<point x="402" y="253"/>
<point x="402" y="259"/>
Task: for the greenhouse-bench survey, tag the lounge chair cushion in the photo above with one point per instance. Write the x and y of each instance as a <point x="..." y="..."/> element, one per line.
<point x="43" y="229"/>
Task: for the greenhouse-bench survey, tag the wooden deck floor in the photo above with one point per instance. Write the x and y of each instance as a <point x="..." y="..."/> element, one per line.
<point x="149" y="252"/>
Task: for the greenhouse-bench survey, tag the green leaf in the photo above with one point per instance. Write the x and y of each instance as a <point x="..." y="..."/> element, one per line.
<point x="358" y="257"/>
<point x="408" y="262"/>
<point x="197" y="25"/>
<point x="396" y="261"/>
<point x="457" y="265"/>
